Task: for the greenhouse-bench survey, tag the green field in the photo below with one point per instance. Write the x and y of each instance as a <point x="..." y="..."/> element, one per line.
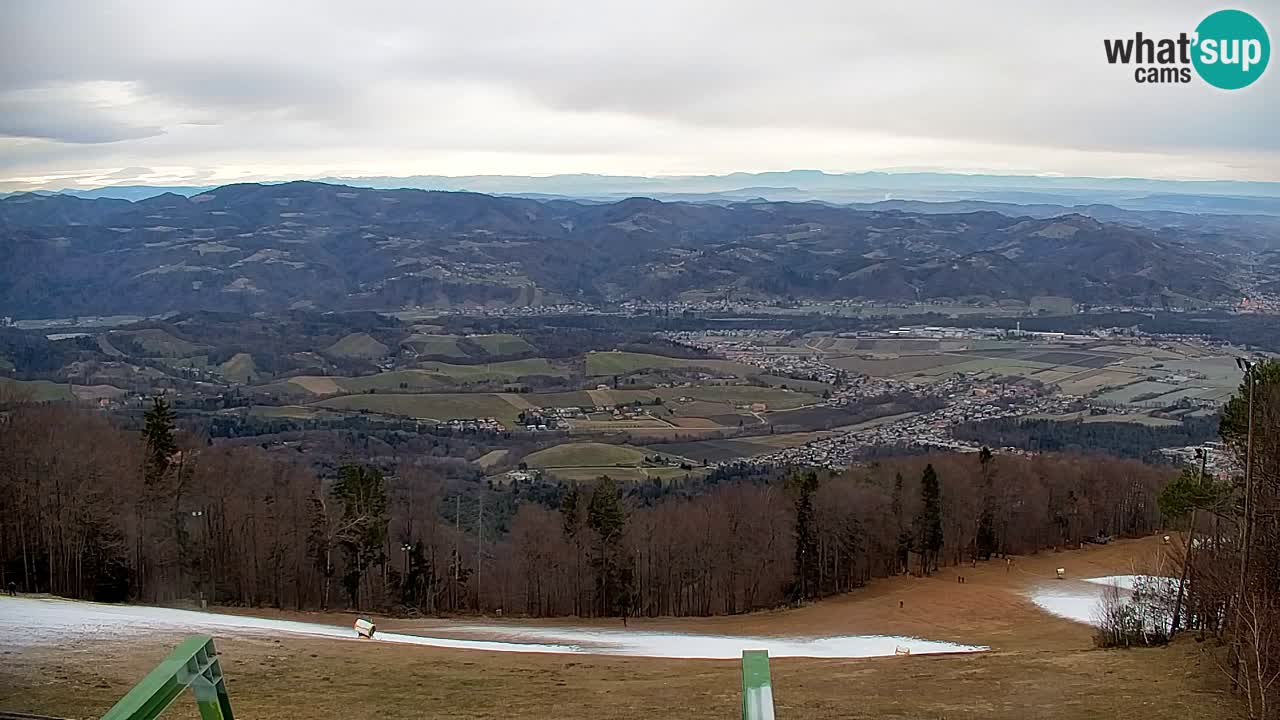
<point x="622" y="363"/>
<point x="35" y="390"/>
<point x="156" y="342"/>
<point x="775" y="398"/>
<point x="578" y="399"/>
<point x="438" y="345"/>
<point x="240" y="369"/>
<point x="292" y="412"/>
<point x="429" y="377"/>
<point x="502" y="371"/>
<point x="440" y="406"/>
<point x="501" y="344"/>
<point x="624" y="474"/>
<point x="358" y="346"/>
<point x="587" y="454"/>
<point x="728" y="397"/>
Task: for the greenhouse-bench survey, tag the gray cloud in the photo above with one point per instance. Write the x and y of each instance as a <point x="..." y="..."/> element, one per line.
<point x="66" y="120"/>
<point x="403" y="87"/>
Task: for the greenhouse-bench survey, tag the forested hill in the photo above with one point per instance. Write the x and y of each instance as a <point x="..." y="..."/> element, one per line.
<point x="250" y="247"/>
<point x="1118" y="439"/>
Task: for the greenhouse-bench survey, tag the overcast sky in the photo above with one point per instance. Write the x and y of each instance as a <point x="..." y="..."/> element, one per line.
<point x="176" y="92"/>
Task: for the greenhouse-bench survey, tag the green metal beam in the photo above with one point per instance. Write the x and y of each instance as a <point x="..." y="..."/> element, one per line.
<point x="193" y="664"/>
<point x="757" y="689"/>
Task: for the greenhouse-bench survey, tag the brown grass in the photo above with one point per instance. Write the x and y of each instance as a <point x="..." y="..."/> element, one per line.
<point x="1039" y="667"/>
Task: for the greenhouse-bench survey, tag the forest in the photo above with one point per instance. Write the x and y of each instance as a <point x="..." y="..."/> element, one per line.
<point x="92" y="510"/>
<point x="1231" y="529"/>
<point x="1121" y="439"/>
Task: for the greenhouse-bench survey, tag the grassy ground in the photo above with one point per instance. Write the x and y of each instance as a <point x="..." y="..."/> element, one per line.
<point x="440" y="406"/>
<point x="1040" y="667"/>
<point x="622" y="363"/>
<point x="37" y="390"/>
<point x="442" y="345"/>
<point x="492" y="458"/>
<point x="358" y="345"/>
<point x="239" y="369"/>
<point x="158" y="343"/>
<point x="501" y="344"/>
<point x="430" y="376"/>
<point x="587" y="454"/>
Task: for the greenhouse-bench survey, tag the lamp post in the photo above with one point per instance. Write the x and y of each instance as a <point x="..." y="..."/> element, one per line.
<point x="406" y="548"/>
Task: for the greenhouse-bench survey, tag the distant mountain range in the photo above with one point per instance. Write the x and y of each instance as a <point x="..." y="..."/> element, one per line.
<point x="252" y="247"/>
<point x="1195" y="196"/>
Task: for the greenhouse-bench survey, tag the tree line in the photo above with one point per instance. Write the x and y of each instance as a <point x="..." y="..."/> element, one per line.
<point x="1121" y="439"/>
<point x="1229" y="590"/>
<point x="91" y="510"/>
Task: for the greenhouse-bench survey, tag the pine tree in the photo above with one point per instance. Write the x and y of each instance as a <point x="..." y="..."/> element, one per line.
<point x="985" y="539"/>
<point x="903" y="550"/>
<point x="571" y="519"/>
<point x="806" y="560"/>
<point x="363" y="532"/>
<point x="607" y="520"/>
<point x="157" y="432"/>
<point x="929" y="522"/>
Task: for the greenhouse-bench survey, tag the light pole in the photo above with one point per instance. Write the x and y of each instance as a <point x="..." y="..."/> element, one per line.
<point x="405" y="548"/>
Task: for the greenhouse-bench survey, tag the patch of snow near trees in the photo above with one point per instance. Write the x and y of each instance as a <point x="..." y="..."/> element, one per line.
<point x="31" y="622"/>
<point x="1129" y="609"/>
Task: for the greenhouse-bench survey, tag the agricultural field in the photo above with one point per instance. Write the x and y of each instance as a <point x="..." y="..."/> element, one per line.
<point x="37" y="390"/>
<point x="436" y="345"/>
<point x="624" y="363"/>
<point x="430" y="376"/>
<point x="94" y="393"/>
<point x="291" y="412"/>
<point x="727" y="397"/>
<point x="585" y="454"/>
<point x="721" y="450"/>
<point x="501" y="344"/>
<point x="584" y="461"/>
<point x="361" y="346"/>
<point x="239" y="369"/>
<point x="432" y="407"/>
<point x="1089" y="382"/>
<point x="901" y="366"/>
<point x="156" y="343"/>
<point x="624" y="474"/>
<point x="492" y="458"/>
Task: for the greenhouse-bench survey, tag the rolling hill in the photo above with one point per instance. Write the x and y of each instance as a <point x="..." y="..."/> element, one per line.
<point x="249" y="248"/>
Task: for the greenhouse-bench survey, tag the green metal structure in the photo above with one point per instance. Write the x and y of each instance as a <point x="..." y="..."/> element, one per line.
<point x="757" y="688"/>
<point x="193" y="664"/>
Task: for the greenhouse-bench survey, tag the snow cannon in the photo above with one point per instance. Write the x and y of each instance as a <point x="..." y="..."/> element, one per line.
<point x="1062" y="573"/>
<point x="365" y="628"/>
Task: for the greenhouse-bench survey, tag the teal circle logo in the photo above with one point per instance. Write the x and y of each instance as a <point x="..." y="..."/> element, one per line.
<point x="1232" y="49"/>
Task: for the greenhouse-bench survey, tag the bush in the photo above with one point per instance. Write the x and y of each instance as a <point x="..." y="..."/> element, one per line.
<point x="1140" y="618"/>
